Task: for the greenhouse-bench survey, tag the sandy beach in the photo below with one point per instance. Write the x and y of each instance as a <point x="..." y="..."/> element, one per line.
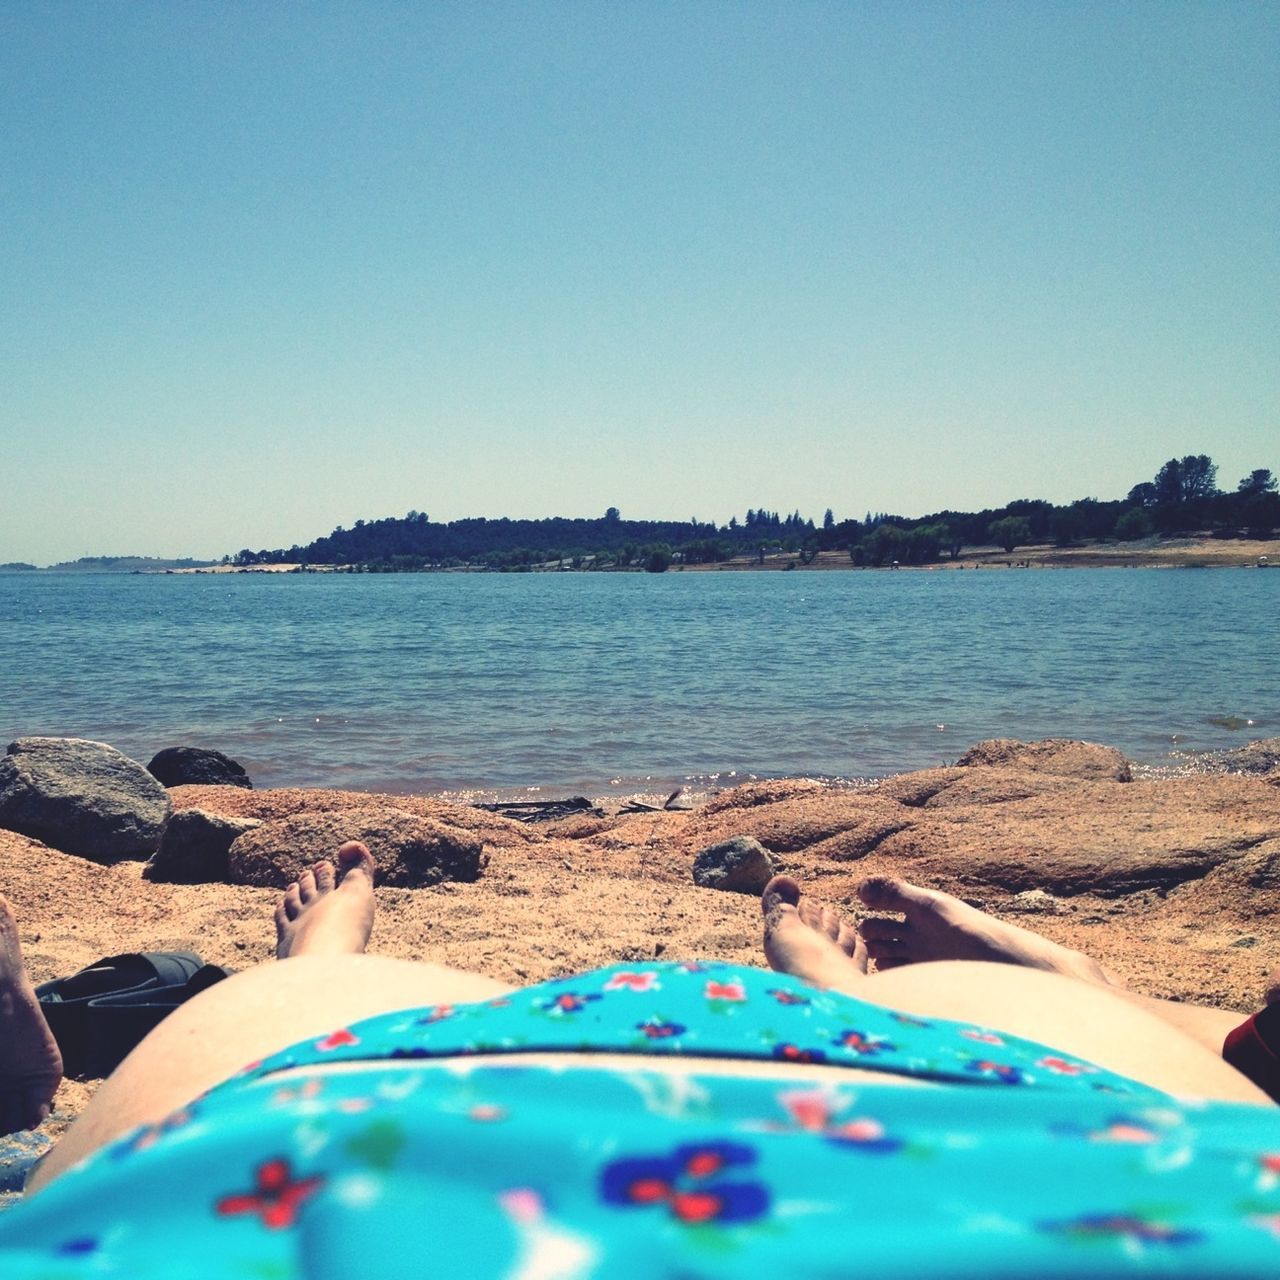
<point x="1170" y="881"/>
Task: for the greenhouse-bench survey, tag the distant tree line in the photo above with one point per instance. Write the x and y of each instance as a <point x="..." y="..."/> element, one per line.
<point x="1182" y="497"/>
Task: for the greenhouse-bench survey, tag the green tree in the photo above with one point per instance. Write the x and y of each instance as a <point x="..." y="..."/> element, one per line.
<point x="1133" y="525"/>
<point x="885" y="544"/>
<point x="1012" y="531"/>
<point x="1185" y="480"/>
<point x="657" y="559"/>
<point x="1261" y="514"/>
<point x="1256" y="482"/>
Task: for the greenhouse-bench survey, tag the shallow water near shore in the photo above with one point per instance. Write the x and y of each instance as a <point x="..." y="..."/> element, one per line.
<point x="636" y="683"/>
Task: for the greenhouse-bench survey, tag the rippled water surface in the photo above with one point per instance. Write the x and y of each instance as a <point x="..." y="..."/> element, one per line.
<point x="636" y="682"/>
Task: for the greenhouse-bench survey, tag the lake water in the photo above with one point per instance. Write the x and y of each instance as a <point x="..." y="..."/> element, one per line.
<point x="635" y="683"/>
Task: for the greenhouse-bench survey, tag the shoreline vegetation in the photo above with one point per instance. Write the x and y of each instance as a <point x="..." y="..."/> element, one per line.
<point x="1179" y="518"/>
<point x="1184" y="551"/>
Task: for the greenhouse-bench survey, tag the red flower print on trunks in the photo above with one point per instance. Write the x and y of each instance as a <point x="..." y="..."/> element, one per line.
<point x="733" y="991"/>
<point x="629" y="981"/>
<point x="337" y="1040"/>
<point x="276" y="1197"/>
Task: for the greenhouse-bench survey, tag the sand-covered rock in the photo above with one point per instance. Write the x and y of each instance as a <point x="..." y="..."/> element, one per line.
<point x="81" y="797"/>
<point x="284" y="802"/>
<point x="1065" y="756"/>
<point x="410" y="851"/>
<point x="1098" y="837"/>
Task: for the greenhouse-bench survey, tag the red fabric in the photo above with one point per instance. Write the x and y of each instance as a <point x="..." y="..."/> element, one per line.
<point x="1253" y="1048"/>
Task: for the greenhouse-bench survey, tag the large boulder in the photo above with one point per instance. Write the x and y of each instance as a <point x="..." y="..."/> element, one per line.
<point x="410" y="851"/>
<point x="197" y="766"/>
<point x="194" y="847"/>
<point x="1105" y="838"/>
<point x="1090" y="761"/>
<point x="740" y="865"/>
<point x="81" y="797"/>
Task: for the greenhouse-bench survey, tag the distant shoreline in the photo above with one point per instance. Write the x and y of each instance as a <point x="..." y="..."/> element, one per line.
<point x="1190" y="551"/>
<point x="1187" y="551"/>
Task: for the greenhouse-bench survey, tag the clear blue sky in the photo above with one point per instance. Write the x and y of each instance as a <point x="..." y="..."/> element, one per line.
<point x="269" y="268"/>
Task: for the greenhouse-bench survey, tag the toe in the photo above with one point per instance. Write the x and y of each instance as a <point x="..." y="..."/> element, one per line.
<point x="307" y="885"/>
<point x="849" y="942"/>
<point x="291" y="903"/>
<point x="887" y="893"/>
<point x="881" y="928"/>
<point x="780" y="891"/>
<point x="831" y="923"/>
<point x="355" y="858"/>
<point x="883" y="893"/>
<point x="880" y="949"/>
<point x="325" y="876"/>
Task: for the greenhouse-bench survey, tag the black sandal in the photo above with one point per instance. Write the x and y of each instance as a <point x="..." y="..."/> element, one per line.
<point x="65" y="1001"/>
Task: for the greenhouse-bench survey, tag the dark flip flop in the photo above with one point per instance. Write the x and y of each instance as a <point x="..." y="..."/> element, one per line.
<point x="65" y="1001"/>
<point x="119" y="1023"/>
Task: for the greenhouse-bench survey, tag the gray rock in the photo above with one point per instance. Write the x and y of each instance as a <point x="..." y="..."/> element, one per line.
<point x="740" y="865"/>
<point x="81" y="797"/>
<point x="410" y="850"/>
<point x="197" y="766"/>
<point x="193" y="849"/>
<point x="1254" y="757"/>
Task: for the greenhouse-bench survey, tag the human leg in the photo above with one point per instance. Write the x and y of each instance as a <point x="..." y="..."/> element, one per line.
<point x="322" y="927"/>
<point x="30" y="1064"/>
<point x="1083" y="1019"/>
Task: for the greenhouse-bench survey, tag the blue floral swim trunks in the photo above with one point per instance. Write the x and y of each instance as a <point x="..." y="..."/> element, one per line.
<point x="429" y="1155"/>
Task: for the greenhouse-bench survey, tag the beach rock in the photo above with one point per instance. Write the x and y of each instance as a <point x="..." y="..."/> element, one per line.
<point x="193" y="849"/>
<point x="977" y="784"/>
<point x="1106" y="838"/>
<point x="1035" y="901"/>
<point x="1065" y="756"/>
<point x="740" y="865"/>
<point x="802" y="821"/>
<point x="750" y="794"/>
<point x="491" y="829"/>
<point x="410" y="851"/>
<point x="1262" y="756"/>
<point x="197" y="766"/>
<point x="81" y="797"/>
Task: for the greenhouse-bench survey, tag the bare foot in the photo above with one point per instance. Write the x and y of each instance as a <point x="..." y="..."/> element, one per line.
<point x="328" y="912"/>
<point x="940" y="927"/>
<point x="809" y="941"/>
<point x="30" y="1064"/>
